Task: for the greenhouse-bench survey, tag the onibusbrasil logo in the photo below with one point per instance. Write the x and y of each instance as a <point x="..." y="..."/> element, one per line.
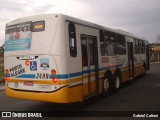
<point x="21" y="114"/>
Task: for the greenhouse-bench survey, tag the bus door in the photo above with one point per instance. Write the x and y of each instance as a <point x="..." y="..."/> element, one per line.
<point x="89" y="65"/>
<point x="130" y="60"/>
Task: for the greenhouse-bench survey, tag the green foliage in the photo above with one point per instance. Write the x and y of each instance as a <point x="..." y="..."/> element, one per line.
<point x="1" y="74"/>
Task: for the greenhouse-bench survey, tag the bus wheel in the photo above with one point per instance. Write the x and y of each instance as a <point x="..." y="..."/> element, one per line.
<point x="106" y="87"/>
<point x="116" y="82"/>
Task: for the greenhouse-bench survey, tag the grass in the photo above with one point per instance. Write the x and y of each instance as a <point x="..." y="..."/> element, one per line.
<point x="2" y="81"/>
<point x="1" y="74"/>
<point x="1" y="71"/>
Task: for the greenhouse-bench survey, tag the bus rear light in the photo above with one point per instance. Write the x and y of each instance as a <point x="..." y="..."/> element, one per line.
<point x="7" y="78"/>
<point x="111" y="65"/>
<point x="53" y="72"/>
<point x="7" y="71"/>
<point x="27" y="62"/>
<point x="55" y="80"/>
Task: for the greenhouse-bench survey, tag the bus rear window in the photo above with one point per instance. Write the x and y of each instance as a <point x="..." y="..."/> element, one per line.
<point x="18" y="37"/>
<point x="38" y="26"/>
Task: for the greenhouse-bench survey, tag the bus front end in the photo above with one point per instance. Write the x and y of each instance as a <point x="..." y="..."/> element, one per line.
<point x="32" y="57"/>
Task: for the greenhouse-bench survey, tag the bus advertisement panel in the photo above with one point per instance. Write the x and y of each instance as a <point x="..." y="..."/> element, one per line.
<point x="18" y="37"/>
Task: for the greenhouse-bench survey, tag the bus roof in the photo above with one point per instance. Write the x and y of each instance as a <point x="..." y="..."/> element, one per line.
<point x="76" y="20"/>
<point x="90" y="24"/>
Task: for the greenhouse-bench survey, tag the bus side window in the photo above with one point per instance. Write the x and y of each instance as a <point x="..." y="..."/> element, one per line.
<point x="72" y="39"/>
<point x="102" y="42"/>
<point x="121" y="45"/>
<point x="143" y="47"/>
<point x="136" y="48"/>
<point x="92" y="50"/>
<point x="110" y="39"/>
<point x="139" y="46"/>
<point x="84" y="51"/>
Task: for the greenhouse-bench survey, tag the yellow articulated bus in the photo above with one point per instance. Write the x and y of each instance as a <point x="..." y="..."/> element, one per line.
<point x="61" y="59"/>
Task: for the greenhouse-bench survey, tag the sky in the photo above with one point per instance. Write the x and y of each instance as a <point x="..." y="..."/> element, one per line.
<point x="139" y="17"/>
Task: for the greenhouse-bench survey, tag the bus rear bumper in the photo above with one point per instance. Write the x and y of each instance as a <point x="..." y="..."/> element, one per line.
<point x="60" y="96"/>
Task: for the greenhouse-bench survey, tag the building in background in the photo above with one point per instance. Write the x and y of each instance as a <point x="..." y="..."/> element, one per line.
<point x="155" y="52"/>
<point x="2" y="81"/>
<point x="1" y="54"/>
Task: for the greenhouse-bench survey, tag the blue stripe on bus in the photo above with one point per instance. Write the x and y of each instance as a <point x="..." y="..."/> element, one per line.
<point x="26" y="76"/>
<point x="75" y="74"/>
<point x="66" y="76"/>
<point x="63" y="76"/>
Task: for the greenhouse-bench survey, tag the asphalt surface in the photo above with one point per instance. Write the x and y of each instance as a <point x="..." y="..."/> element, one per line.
<point x="143" y="94"/>
<point x="1" y="86"/>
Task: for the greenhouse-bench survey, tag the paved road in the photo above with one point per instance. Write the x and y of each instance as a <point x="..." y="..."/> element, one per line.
<point x="1" y="86"/>
<point x="141" y="95"/>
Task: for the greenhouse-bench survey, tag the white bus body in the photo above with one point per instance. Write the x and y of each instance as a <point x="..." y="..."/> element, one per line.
<point x="57" y="58"/>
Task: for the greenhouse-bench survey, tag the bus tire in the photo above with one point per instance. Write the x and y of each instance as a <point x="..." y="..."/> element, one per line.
<point x="116" y="84"/>
<point x="106" y="86"/>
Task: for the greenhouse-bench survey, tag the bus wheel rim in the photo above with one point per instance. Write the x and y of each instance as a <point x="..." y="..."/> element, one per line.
<point x="117" y="82"/>
<point x="106" y="84"/>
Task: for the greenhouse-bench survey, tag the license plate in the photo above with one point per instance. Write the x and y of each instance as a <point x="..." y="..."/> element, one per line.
<point x="28" y="83"/>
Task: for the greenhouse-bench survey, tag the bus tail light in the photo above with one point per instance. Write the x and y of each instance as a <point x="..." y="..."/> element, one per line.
<point x="53" y="72"/>
<point x="27" y="62"/>
<point x="7" y="78"/>
<point x="112" y="65"/>
<point x="55" y="80"/>
<point x="7" y="71"/>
